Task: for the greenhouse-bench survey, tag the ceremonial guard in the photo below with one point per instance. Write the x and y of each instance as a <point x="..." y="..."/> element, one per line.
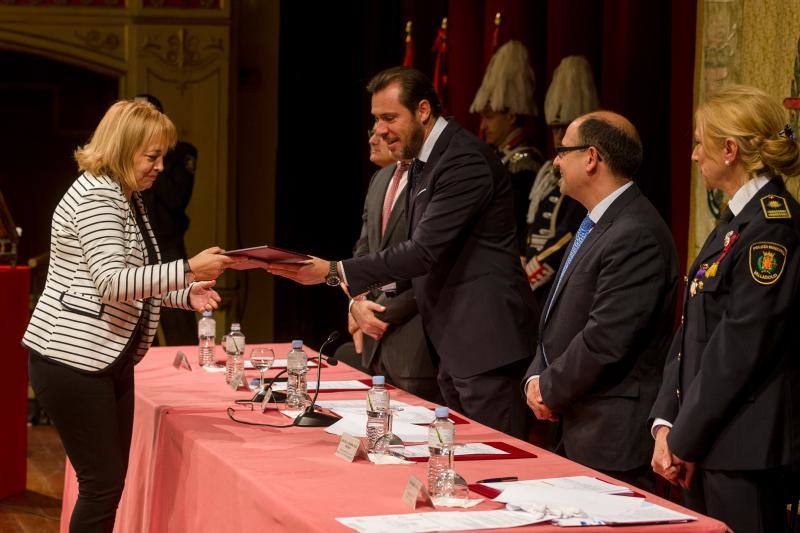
<point x="552" y="217"/>
<point x="726" y="421"/>
<point x="505" y="101"/>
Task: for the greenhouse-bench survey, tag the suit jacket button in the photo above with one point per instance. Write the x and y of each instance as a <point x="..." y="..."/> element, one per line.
<point x="678" y="392"/>
<point x="679" y="358"/>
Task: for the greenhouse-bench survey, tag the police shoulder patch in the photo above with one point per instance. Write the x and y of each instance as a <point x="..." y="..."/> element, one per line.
<point x="775" y="206"/>
<point x="766" y="261"/>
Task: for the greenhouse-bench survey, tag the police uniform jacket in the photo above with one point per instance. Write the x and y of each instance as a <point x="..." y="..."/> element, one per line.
<point x="731" y="384"/>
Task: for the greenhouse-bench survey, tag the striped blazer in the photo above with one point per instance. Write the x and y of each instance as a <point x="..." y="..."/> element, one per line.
<point x="98" y="284"/>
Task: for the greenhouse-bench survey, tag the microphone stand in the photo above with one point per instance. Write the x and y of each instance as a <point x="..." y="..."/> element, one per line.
<point x="310" y="417"/>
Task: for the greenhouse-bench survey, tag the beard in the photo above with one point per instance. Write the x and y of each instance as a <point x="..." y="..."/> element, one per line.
<point x="415" y="141"/>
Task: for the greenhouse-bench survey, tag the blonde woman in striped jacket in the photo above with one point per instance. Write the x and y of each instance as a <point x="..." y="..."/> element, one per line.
<point x="99" y="310"/>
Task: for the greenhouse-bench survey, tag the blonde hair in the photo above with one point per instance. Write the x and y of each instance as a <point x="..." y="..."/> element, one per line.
<point x="127" y="127"/>
<point x="572" y="93"/>
<point x="755" y="121"/>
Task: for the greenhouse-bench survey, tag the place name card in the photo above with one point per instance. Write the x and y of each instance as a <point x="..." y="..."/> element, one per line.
<point x="416" y="494"/>
<point x="351" y="448"/>
<point x="181" y="361"/>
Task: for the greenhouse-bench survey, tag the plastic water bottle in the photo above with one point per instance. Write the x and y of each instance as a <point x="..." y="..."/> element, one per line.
<point x="377" y="415"/>
<point x="441" y="435"/>
<point x="234" y="350"/>
<point x="207" y="335"/>
<point x="296" y="387"/>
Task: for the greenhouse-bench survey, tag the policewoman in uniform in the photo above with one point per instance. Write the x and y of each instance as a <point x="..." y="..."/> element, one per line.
<point x="726" y="418"/>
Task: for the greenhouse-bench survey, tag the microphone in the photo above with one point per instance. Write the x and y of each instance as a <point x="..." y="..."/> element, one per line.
<point x="310" y="417"/>
<point x="280" y="397"/>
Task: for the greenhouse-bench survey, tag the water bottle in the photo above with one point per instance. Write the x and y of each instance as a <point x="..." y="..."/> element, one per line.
<point x="296" y="387"/>
<point x="441" y="434"/>
<point x="207" y="335"/>
<point x="377" y="415"/>
<point x="234" y="351"/>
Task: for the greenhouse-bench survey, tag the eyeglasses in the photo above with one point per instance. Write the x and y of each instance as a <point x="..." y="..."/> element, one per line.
<point x="561" y="150"/>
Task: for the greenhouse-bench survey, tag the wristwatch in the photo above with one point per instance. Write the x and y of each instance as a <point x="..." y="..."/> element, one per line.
<point x="187" y="272"/>
<point x="332" y="279"/>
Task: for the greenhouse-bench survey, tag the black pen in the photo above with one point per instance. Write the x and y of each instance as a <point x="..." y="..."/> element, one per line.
<point x="499" y="479"/>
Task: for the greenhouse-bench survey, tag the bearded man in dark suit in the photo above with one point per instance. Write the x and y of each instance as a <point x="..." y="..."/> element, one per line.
<point x="460" y="255"/>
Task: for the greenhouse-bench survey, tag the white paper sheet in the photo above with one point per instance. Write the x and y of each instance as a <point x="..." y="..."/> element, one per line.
<point x="350" y="384"/>
<point x="277" y="363"/>
<point x="413" y="414"/>
<point x="569" y="502"/>
<point x="472" y="448"/>
<point x="648" y="513"/>
<point x="438" y="521"/>
<point x="356" y="425"/>
<point x="587" y="483"/>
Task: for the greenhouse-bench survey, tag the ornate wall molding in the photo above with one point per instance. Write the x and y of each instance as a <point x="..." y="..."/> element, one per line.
<point x="184" y="49"/>
<point x="179" y="55"/>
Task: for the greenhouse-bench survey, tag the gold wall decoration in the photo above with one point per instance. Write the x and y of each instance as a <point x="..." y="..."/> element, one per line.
<point x="180" y="55"/>
<point x="754" y="42"/>
<point x="183" y="49"/>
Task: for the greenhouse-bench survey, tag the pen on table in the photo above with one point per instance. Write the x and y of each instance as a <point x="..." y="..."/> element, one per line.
<point x="499" y="479"/>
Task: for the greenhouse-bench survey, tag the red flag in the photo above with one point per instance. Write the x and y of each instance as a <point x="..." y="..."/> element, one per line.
<point x="440" y="63"/>
<point x="498" y="21"/>
<point x="408" y="58"/>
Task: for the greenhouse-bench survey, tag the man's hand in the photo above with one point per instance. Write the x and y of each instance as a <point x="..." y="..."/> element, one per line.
<point x="202" y="297"/>
<point x="663" y="461"/>
<point x="536" y="402"/>
<point x="364" y="313"/>
<point x="685" y="471"/>
<point x="352" y="325"/>
<point x="310" y="272"/>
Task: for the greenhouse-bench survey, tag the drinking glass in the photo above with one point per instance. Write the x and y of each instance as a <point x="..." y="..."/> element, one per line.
<point x="262" y="359"/>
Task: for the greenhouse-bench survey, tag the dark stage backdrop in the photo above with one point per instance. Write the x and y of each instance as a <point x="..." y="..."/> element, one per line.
<point x="642" y="54"/>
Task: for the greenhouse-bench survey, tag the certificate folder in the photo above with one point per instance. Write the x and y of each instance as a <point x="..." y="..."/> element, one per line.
<point x="260" y="256"/>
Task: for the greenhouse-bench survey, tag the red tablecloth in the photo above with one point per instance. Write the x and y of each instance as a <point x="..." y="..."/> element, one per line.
<point x="193" y="469"/>
<point x="14" y="293"/>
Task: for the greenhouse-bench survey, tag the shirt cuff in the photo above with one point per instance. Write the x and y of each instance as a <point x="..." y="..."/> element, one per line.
<point x="657" y="423"/>
<point x="340" y="266"/>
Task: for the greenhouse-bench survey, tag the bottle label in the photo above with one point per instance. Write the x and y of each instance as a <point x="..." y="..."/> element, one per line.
<point x="234" y="344"/>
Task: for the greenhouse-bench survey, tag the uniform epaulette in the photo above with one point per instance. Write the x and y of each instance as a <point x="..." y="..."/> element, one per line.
<point x="522" y="160"/>
<point x="775" y="207"/>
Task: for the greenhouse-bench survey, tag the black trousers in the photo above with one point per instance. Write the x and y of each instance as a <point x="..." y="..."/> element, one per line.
<point x="747" y="501"/>
<point x="93" y="414"/>
<point x="492" y="398"/>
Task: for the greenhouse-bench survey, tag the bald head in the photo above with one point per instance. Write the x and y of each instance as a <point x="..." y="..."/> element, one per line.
<point x="615" y="138"/>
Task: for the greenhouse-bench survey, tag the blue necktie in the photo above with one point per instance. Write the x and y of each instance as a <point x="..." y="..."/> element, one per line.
<point x="583" y="232"/>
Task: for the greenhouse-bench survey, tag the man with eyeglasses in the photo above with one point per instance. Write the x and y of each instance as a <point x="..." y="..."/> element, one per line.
<point x="607" y="321"/>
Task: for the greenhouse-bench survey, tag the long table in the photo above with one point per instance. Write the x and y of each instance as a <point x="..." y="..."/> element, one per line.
<point x="193" y="469"/>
